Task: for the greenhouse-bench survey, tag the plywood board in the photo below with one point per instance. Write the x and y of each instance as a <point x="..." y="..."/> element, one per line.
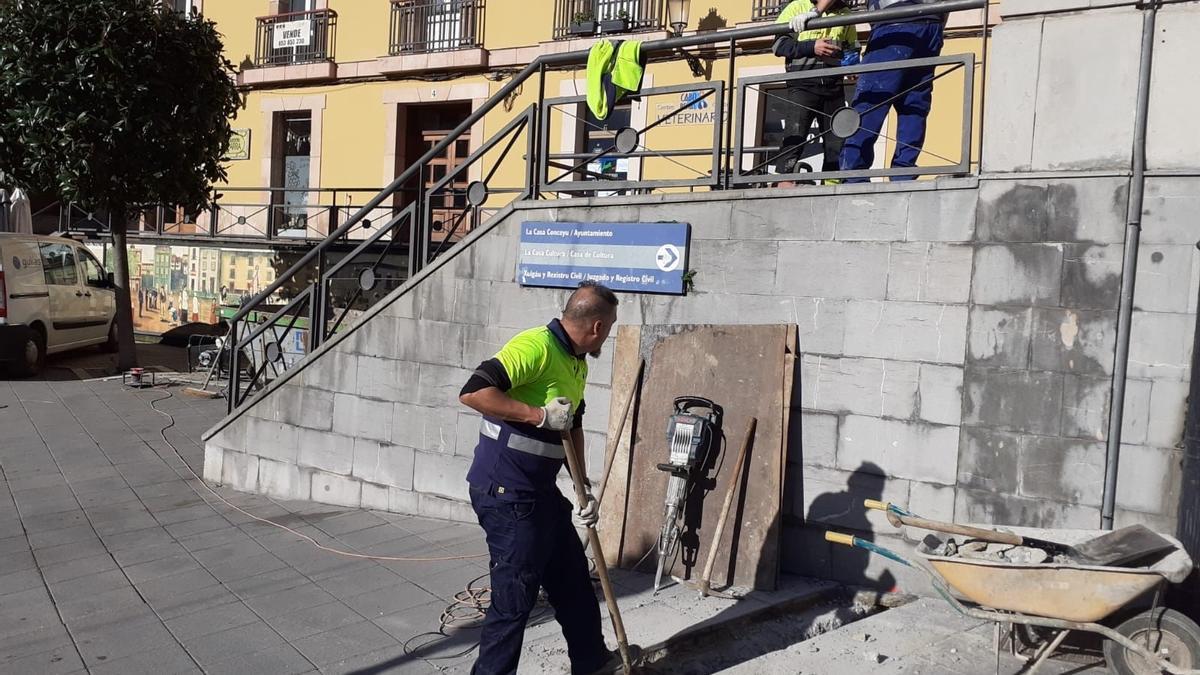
<point x="742" y="369"/>
<point x="624" y="380"/>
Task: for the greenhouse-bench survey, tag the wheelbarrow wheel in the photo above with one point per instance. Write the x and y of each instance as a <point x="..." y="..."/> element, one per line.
<point x="1165" y="632"/>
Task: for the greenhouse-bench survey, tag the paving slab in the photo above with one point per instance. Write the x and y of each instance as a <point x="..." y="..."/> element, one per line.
<point x="244" y="640"/>
<point x="343" y="643"/>
<point x="311" y="621"/>
<point x="212" y="620"/>
<point x="64" y="659"/>
<point x="168" y="660"/>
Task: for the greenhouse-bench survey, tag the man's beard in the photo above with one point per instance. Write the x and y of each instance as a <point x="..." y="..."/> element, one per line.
<point x="596" y="354"/>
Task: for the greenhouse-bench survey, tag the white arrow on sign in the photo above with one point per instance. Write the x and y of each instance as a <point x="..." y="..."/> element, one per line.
<point x="667" y="258"/>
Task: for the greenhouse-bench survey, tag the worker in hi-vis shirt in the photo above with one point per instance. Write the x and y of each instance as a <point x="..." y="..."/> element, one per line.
<point x="529" y="394"/>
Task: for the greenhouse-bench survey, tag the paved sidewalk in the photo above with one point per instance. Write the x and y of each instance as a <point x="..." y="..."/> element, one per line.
<point x="111" y="562"/>
<point x="115" y="559"/>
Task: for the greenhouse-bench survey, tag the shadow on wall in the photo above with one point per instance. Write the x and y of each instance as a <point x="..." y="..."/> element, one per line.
<point x="844" y="511"/>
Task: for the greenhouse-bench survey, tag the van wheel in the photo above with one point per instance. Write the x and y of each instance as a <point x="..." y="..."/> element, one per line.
<point x="111" y="345"/>
<point x="33" y="355"/>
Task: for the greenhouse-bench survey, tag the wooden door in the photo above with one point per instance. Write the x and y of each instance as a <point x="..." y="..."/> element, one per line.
<point x="450" y="216"/>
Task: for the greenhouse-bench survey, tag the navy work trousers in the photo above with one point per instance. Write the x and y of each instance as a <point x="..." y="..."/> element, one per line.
<point x="909" y="91"/>
<point x="533" y="544"/>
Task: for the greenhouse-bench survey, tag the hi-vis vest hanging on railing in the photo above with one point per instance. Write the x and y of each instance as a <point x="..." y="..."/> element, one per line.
<point x="613" y="72"/>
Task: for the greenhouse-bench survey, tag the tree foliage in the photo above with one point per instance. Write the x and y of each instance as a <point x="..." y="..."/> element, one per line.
<point x="116" y="105"/>
<point x="113" y="104"/>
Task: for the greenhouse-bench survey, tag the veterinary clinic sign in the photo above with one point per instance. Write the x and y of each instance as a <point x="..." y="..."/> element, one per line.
<point x="695" y="110"/>
<point x="292" y="34"/>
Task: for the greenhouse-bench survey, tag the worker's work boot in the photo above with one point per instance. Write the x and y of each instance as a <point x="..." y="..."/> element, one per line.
<point x="614" y="665"/>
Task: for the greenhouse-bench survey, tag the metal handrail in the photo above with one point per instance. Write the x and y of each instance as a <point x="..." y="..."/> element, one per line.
<point x="579" y="57"/>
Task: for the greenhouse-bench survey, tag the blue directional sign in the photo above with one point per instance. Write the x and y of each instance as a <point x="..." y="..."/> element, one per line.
<point x="634" y="257"/>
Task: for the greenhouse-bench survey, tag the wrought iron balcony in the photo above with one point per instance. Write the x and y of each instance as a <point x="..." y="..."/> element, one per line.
<point x="423" y="26"/>
<point x="295" y="38"/>
<point x="765" y="10"/>
<point x="584" y="18"/>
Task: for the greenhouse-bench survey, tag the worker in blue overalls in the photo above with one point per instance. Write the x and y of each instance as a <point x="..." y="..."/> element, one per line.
<point x="908" y="90"/>
<point x="528" y="394"/>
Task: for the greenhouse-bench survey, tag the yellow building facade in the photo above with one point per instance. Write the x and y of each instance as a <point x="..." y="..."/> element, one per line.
<point x="342" y="95"/>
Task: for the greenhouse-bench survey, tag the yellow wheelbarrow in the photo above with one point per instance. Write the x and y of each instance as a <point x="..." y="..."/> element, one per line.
<point x="1059" y="596"/>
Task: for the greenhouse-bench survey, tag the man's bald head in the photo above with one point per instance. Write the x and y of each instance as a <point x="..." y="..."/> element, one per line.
<point x="590" y="302"/>
<point x="589" y="315"/>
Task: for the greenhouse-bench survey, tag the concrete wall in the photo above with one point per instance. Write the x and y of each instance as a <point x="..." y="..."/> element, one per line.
<point x="957" y="335"/>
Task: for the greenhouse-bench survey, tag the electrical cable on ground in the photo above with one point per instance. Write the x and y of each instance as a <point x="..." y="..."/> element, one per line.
<point x="349" y="554"/>
<point x="469" y="606"/>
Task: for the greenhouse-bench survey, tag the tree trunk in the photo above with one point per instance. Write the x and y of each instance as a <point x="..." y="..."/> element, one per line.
<point x="127" y="352"/>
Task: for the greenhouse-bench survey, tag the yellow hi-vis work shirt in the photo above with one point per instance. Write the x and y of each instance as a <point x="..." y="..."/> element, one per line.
<point x="512" y="457"/>
<point x="541" y="369"/>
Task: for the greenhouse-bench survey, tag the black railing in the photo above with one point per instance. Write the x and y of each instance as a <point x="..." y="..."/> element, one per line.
<point x="419" y="217"/>
<point x="422" y="26"/>
<point x="431" y="204"/>
<point x="244" y="214"/>
<point x="295" y="38"/>
<point x="583" y="18"/>
<point x="767" y="10"/>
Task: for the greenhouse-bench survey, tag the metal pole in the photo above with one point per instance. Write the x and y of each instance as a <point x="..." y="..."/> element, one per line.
<point x="1133" y="231"/>
<point x="731" y="85"/>
<point x="983" y="68"/>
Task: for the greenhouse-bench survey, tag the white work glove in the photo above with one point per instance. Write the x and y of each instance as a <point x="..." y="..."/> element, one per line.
<point x="556" y="415"/>
<point x="800" y="22"/>
<point x="588" y="514"/>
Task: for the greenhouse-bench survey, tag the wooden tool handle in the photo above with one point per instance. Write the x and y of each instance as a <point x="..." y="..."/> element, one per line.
<point x="575" y="466"/>
<point x="994" y="536"/>
<point x="734" y="480"/>
<point x="610" y="452"/>
<point x="839" y="538"/>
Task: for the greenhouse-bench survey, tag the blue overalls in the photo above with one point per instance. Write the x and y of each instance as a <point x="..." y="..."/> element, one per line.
<point x="909" y="91"/>
<point x="531" y="540"/>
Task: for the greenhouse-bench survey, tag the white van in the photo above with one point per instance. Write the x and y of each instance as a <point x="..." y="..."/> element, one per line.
<point x="54" y="296"/>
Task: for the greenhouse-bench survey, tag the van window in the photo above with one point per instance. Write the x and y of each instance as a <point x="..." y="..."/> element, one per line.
<point x="93" y="273"/>
<point x="58" y="263"/>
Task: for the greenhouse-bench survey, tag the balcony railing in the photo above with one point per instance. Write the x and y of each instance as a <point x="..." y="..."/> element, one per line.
<point x="583" y="18"/>
<point x="295" y="38"/>
<point x="765" y="10"/>
<point x="423" y="26"/>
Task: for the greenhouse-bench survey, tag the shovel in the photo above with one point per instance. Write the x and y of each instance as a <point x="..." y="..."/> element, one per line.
<point x="1121" y="548"/>
<point x="575" y="466"/>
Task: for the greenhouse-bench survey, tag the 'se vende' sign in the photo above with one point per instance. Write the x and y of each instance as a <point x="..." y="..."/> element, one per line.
<point x="292" y="34"/>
